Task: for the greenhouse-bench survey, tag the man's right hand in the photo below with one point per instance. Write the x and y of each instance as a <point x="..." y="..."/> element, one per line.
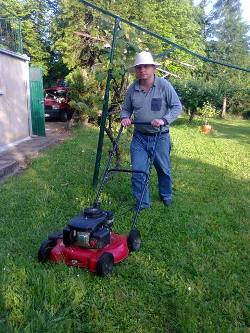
<point x="126" y="122"/>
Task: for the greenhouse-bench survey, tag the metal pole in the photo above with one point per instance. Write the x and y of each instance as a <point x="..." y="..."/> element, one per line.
<point x="105" y="106"/>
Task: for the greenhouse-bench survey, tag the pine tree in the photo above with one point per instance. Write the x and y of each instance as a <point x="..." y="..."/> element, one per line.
<point x="229" y="34"/>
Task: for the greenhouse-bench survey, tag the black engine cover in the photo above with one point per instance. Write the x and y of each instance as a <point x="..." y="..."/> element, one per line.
<point x="90" y="229"/>
<point x="82" y="222"/>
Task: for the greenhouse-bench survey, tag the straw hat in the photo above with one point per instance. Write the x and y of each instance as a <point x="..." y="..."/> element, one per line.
<point x="143" y="58"/>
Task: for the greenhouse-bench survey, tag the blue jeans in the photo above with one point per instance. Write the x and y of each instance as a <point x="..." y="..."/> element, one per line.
<point x="141" y="150"/>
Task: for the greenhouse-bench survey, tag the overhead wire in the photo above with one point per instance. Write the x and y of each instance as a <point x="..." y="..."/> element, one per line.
<point x="164" y="39"/>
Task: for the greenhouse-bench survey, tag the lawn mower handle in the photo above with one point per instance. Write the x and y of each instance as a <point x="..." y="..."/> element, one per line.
<point x="108" y="170"/>
<point x="140" y="123"/>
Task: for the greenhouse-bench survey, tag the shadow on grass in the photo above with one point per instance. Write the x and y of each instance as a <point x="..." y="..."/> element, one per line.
<point x="184" y="121"/>
<point x="229" y="131"/>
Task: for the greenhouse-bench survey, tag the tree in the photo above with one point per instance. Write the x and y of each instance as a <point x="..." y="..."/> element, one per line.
<point x="83" y="36"/>
<point x="32" y="15"/>
<point x="175" y="20"/>
<point x="228" y="40"/>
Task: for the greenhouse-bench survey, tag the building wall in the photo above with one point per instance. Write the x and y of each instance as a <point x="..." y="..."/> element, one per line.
<point x="14" y="99"/>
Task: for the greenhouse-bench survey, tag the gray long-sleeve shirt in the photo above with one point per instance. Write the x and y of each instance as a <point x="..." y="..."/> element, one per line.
<point x="161" y="102"/>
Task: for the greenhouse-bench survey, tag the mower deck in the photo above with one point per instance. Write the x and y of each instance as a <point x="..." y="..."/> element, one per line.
<point x="88" y="258"/>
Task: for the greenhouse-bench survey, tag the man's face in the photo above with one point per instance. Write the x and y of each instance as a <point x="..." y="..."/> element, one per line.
<point x="144" y="72"/>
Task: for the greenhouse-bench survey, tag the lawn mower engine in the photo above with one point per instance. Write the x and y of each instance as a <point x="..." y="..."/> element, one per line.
<point x="89" y="230"/>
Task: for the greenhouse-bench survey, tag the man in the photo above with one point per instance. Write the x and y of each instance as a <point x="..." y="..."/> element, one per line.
<point x="150" y="99"/>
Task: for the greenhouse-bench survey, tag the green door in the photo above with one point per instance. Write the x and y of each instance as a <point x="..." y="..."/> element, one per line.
<point x="36" y="101"/>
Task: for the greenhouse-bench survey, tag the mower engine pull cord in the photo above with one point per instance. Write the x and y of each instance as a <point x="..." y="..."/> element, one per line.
<point x="147" y="174"/>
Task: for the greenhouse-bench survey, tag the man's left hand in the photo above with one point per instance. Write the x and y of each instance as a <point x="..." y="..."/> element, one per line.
<point x="157" y="122"/>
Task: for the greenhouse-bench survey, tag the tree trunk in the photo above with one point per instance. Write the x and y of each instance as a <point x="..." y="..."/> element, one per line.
<point x="117" y="151"/>
<point x="191" y="115"/>
<point x="85" y="122"/>
<point x="224" y="107"/>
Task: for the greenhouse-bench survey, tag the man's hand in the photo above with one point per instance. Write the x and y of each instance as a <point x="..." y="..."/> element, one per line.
<point x="157" y="122"/>
<point x="126" y="122"/>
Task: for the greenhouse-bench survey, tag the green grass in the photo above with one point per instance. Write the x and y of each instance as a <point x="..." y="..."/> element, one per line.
<point x="192" y="273"/>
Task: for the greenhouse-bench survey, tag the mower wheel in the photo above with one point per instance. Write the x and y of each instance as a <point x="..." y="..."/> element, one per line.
<point x="134" y="240"/>
<point x="45" y="249"/>
<point x="105" y="264"/>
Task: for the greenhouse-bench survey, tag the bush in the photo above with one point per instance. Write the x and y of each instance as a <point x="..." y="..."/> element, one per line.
<point x="85" y="93"/>
<point x="207" y="111"/>
<point x="195" y="94"/>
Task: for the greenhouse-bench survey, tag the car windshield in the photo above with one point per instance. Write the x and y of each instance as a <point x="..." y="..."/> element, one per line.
<point x="55" y="94"/>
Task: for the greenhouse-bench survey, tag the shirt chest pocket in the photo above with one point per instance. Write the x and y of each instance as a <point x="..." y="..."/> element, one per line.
<point x="156" y="104"/>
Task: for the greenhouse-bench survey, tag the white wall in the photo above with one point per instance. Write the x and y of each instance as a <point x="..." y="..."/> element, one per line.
<point x="14" y="109"/>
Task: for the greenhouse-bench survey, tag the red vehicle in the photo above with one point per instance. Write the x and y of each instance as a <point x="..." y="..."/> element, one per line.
<point x="56" y="103"/>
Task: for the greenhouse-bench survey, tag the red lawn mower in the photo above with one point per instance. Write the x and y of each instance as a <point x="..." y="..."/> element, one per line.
<point x="88" y="240"/>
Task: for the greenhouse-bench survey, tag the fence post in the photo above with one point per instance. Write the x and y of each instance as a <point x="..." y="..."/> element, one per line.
<point x="105" y="106"/>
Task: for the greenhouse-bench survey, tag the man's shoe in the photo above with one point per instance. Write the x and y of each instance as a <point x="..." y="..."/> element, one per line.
<point x="167" y="202"/>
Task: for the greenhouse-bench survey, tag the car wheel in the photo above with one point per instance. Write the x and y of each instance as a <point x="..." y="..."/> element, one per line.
<point x="70" y="114"/>
<point x="45" y="249"/>
<point x="63" y="116"/>
<point x="134" y="240"/>
<point x="105" y="264"/>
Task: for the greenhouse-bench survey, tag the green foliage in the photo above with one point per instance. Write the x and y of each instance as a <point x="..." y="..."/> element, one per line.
<point x="10" y="34"/>
<point x="33" y="46"/>
<point x="239" y="99"/>
<point x="89" y="48"/>
<point x="34" y="27"/>
<point x="229" y="33"/>
<point x="173" y="20"/>
<point x="228" y="40"/>
<point x="83" y="37"/>
<point x="207" y="111"/>
<point x="56" y="69"/>
<point x="61" y="36"/>
<point x="86" y="99"/>
<point x="192" y="273"/>
<point x="194" y="93"/>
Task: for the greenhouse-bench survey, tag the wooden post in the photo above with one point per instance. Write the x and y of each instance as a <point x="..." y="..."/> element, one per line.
<point x="224" y="107"/>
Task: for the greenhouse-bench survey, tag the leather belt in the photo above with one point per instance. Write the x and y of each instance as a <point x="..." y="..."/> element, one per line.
<point x="152" y="134"/>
